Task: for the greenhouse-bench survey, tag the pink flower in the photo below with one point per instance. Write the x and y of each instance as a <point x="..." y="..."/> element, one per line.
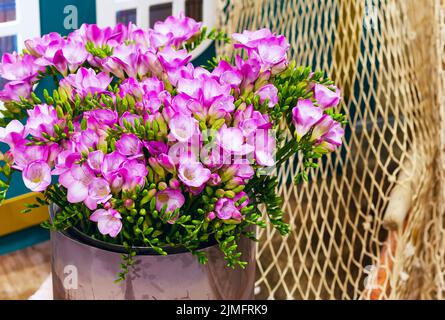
<point x="322" y="127"/>
<point x="233" y="140"/>
<point x="38" y="46"/>
<point x="193" y="174"/>
<point x="100" y="119"/>
<point x="245" y="171"/>
<point x="86" y="140"/>
<point x="128" y="117"/>
<point x="19" y="68"/>
<point x="134" y="173"/>
<point x="327" y="97"/>
<point x="268" y="49"/>
<point x="95" y="160"/>
<point x="156" y="147"/>
<point x="305" y="116"/>
<point x="225" y="209"/>
<point x="14" y="132"/>
<point x="183" y="127"/>
<point x="332" y="139"/>
<point x="129" y="145"/>
<point x="177" y="29"/>
<point x="77" y="181"/>
<point x="42" y="119"/>
<point x="264" y="148"/>
<point x="86" y="81"/>
<point x="98" y="192"/>
<point x="170" y="198"/>
<point x="268" y="92"/>
<point x="108" y="221"/>
<point x="37" y="176"/>
<point x="228" y="74"/>
<point x="173" y="59"/>
<point x="167" y="163"/>
<point x="24" y="154"/>
<point x="65" y="160"/>
<point x="75" y="54"/>
<point x="92" y="33"/>
<point x="111" y="164"/>
<point x="15" y="90"/>
<point x="251" y="39"/>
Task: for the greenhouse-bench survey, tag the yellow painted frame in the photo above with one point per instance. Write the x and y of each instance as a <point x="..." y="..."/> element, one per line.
<point x="12" y="220"/>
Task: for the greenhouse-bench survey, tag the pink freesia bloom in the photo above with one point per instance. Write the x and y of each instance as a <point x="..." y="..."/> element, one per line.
<point x="214" y="180"/>
<point x="42" y="119"/>
<point x="167" y="163"/>
<point x="86" y="140"/>
<point x="251" y="39"/>
<point x="134" y="173"/>
<point x="233" y="140"/>
<point x="270" y="50"/>
<point x="327" y="97"/>
<point x="75" y="54"/>
<point x="19" y="68"/>
<point x="86" y="81"/>
<point x="100" y="119"/>
<point x="193" y="174"/>
<point x="14" y="132"/>
<point x="15" y="90"/>
<point x="77" y="181"/>
<point x="112" y="163"/>
<point x="170" y="198"/>
<point x="108" y="221"/>
<point x="24" y="155"/>
<point x="38" y="46"/>
<point x="245" y="171"/>
<point x="173" y="59"/>
<point x="98" y="192"/>
<point x="183" y="127"/>
<point x="305" y="116"/>
<point x="92" y="33"/>
<point x="177" y="29"/>
<point x="322" y="127"/>
<point x="37" y="176"/>
<point x="268" y="92"/>
<point x="95" y="160"/>
<point x="128" y="117"/>
<point x="156" y="147"/>
<point x="225" y="209"/>
<point x="332" y="139"/>
<point x="228" y="74"/>
<point x="65" y="160"/>
<point x="129" y="145"/>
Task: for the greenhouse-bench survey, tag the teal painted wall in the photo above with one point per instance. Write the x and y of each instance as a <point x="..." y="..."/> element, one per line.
<point x="52" y="14"/>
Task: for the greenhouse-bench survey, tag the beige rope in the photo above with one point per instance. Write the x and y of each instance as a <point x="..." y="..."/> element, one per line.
<point x="388" y="58"/>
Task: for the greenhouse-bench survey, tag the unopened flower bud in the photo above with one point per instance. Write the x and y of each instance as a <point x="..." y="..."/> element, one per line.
<point x="129" y="203"/>
<point x="211" y="216"/>
<point x="234" y="182"/>
<point x="162" y="186"/>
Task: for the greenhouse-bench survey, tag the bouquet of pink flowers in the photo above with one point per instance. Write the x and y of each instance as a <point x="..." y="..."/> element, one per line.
<point x="138" y="147"/>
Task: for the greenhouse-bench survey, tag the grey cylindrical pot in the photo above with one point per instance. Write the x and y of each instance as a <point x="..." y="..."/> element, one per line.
<point x="82" y="272"/>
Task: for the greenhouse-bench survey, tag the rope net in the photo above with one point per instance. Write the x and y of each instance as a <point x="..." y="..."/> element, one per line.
<point x="370" y="224"/>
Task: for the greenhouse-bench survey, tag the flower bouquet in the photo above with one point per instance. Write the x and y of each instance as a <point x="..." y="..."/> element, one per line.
<point x="137" y="147"/>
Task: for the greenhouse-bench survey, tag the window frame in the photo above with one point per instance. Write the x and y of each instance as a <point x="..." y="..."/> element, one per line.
<point x="26" y="25"/>
<point x="107" y="10"/>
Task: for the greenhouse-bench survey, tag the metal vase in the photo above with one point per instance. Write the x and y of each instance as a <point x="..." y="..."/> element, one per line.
<point x="84" y="271"/>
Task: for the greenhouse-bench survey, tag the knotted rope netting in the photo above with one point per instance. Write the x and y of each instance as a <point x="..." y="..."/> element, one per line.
<point x="370" y="223"/>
